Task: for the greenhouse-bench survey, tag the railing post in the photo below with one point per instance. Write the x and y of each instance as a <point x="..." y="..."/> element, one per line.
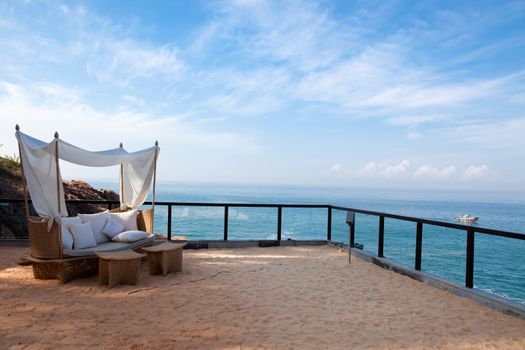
<point x="419" y="245"/>
<point x="381" y="238"/>
<point x="279" y="222"/>
<point x="469" y="273"/>
<point x="169" y="222"/>
<point x="352" y="235"/>
<point x="226" y="222"/>
<point x="329" y="225"/>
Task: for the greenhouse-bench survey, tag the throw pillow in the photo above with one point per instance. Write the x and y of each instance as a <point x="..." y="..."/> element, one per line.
<point x="98" y="222"/>
<point x="67" y="238"/>
<point x="130" y="236"/>
<point x="127" y="218"/>
<point x="113" y="227"/>
<point x="82" y="236"/>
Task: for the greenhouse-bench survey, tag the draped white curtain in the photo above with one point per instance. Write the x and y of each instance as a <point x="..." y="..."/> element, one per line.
<point x="40" y="170"/>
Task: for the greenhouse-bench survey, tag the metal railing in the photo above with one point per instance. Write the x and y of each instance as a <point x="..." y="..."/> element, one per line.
<point x="470" y="231"/>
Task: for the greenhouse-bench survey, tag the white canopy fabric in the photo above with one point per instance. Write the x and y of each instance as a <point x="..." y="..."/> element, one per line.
<point x="40" y="170"/>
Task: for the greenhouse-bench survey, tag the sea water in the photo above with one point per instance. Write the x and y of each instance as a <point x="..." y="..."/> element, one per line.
<point x="499" y="262"/>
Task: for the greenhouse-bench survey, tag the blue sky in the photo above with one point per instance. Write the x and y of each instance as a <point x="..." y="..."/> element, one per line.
<point x="424" y="94"/>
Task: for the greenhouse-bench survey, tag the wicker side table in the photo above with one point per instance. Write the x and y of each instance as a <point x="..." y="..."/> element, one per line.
<point x="165" y="258"/>
<point x="118" y="267"/>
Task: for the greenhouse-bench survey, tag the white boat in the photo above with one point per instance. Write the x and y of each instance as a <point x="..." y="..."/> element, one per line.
<point x="467" y="219"/>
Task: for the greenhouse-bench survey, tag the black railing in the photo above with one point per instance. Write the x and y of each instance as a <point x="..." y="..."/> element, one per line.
<point x="471" y="231"/>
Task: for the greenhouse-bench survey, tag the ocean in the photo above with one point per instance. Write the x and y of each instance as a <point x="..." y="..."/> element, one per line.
<point x="499" y="262"/>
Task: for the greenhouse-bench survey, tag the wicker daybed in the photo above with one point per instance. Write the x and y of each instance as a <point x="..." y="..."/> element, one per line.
<point x="51" y="261"/>
<point x="42" y="179"/>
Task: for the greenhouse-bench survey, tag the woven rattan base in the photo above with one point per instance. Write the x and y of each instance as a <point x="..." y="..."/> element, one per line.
<point x="64" y="270"/>
<point x="165" y="258"/>
<point x="119" y="267"/>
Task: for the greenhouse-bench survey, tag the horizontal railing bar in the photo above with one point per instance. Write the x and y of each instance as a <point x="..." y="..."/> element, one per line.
<point x="191" y="204"/>
<point x="488" y="231"/>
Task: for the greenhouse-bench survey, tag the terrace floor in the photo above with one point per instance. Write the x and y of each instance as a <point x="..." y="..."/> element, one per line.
<point x="280" y="297"/>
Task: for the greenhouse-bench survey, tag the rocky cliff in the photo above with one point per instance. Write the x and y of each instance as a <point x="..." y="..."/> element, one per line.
<point x="12" y="215"/>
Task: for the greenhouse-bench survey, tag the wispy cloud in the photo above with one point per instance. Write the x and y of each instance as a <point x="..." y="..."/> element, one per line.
<point x="269" y="75"/>
<point x="184" y="142"/>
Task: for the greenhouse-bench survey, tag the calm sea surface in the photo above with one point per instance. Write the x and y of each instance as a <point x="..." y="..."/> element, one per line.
<point x="499" y="262"/>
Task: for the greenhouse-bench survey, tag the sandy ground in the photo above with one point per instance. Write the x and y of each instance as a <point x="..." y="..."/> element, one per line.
<point x="282" y="297"/>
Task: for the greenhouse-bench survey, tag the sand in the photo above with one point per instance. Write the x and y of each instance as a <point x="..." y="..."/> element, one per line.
<point x="281" y="297"/>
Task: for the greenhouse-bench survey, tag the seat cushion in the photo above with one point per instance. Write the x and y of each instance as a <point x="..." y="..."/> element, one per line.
<point x="109" y="247"/>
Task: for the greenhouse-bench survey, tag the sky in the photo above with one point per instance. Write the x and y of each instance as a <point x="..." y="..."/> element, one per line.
<point x="387" y="94"/>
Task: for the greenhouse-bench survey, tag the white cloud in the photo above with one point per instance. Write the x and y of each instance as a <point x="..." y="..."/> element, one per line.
<point x="413" y="120"/>
<point x="400" y="169"/>
<point x="387" y="170"/>
<point x="429" y="172"/>
<point x="403" y="170"/>
<point x="414" y="135"/>
<point x="133" y="100"/>
<point x="475" y="171"/>
<point x="373" y="167"/>
<point x="336" y="167"/>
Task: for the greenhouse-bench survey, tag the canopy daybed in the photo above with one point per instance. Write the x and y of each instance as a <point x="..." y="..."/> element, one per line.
<point x="51" y="257"/>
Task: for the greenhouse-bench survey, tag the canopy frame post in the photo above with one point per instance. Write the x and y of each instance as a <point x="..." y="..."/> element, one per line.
<point x="154" y="185"/>
<point x="58" y="172"/>
<point x="26" y="201"/>
<point x="57" y="165"/>
<point x="121" y="194"/>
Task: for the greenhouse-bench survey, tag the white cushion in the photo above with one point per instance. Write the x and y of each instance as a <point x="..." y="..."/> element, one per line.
<point x="127" y="218"/>
<point x="113" y="227"/>
<point x="98" y="222"/>
<point x="82" y="236"/>
<point x="67" y="238"/>
<point x="130" y="236"/>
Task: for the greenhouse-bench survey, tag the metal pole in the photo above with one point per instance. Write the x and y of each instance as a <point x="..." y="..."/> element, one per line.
<point x="469" y="273"/>
<point x="381" y="238"/>
<point x="169" y="222"/>
<point x="350" y="241"/>
<point x="419" y="245"/>
<point x="225" y="222"/>
<point x="279" y="222"/>
<point x="352" y="235"/>
<point x="329" y="225"/>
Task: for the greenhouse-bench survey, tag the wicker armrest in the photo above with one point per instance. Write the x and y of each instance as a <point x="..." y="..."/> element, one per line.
<point x="44" y="244"/>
